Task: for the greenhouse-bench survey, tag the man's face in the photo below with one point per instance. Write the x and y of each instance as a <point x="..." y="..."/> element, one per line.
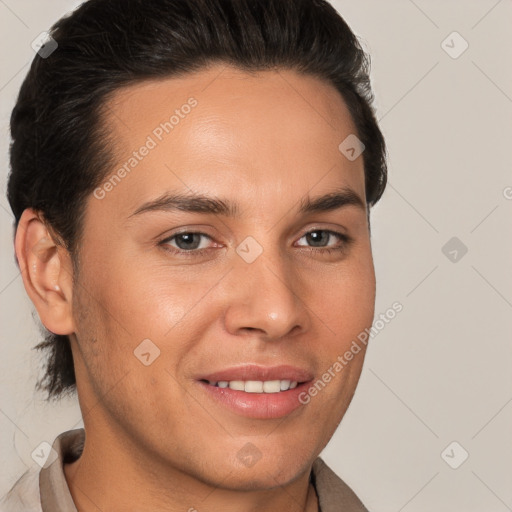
<point x="257" y="288"/>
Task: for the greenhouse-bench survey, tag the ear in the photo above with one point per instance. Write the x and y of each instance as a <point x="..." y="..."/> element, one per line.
<point x="47" y="272"/>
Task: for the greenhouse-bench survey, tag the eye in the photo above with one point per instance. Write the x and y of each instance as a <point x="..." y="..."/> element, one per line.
<point x="188" y="241"/>
<point x="321" y="237"/>
<point x="192" y="243"/>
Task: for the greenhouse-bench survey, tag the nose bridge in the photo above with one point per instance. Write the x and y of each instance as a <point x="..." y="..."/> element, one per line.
<point x="266" y="293"/>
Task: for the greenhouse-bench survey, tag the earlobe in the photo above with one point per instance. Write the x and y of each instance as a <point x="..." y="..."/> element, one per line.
<point x="47" y="272"/>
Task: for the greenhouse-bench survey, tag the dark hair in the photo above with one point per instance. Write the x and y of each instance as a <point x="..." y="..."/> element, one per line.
<point x="59" y="153"/>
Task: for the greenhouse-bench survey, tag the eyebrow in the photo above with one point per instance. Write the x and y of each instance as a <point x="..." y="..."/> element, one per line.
<point x="198" y="203"/>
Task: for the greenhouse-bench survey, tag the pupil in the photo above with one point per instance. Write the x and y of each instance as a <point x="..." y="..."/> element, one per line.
<point x="188" y="237"/>
<point x="313" y="236"/>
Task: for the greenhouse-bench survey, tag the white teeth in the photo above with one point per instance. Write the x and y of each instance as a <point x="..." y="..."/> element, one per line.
<point x="237" y="385"/>
<point x="256" y="386"/>
<point x="271" y="386"/>
<point x="253" y="386"/>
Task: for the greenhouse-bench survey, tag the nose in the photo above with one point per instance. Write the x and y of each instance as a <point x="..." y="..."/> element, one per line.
<point x="265" y="295"/>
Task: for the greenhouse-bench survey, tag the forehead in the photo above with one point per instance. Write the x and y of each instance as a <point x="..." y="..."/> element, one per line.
<point x="262" y="136"/>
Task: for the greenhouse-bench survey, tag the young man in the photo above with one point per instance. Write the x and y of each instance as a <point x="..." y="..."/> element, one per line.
<point x="192" y="182"/>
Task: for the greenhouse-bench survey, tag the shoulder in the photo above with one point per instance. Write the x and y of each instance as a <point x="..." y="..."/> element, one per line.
<point x="24" y="494"/>
<point x="47" y="484"/>
<point x="333" y="493"/>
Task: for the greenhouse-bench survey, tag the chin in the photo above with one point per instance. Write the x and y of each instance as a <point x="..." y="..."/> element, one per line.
<point x="264" y="478"/>
<point x="280" y="468"/>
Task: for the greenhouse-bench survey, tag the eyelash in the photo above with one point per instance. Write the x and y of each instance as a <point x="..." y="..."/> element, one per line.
<point x="345" y="242"/>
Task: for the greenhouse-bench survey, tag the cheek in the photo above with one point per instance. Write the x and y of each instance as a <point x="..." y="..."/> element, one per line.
<point x="111" y="326"/>
<point x="146" y="302"/>
<point x="347" y="305"/>
<point x="345" y="310"/>
<point x="135" y="304"/>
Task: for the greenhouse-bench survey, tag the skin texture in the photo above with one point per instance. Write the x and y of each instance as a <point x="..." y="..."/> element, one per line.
<point x="155" y="440"/>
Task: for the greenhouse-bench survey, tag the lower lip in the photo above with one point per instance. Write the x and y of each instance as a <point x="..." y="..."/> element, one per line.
<point x="257" y="405"/>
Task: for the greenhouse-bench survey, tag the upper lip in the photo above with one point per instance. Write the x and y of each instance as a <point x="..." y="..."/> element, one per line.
<point x="262" y="373"/>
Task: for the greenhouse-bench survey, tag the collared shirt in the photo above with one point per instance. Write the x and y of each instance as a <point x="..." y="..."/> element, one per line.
<point x="46" y="489"/>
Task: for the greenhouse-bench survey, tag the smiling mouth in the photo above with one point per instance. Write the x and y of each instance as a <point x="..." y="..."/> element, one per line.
<point x="255" y="386"/>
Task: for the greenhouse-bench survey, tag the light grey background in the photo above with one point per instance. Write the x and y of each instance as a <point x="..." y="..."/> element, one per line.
<point x="441" y="370"/>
